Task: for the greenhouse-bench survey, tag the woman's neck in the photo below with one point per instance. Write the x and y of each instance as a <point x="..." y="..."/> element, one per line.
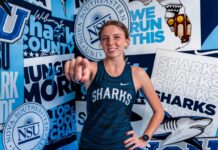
<point x="114" y="67"/>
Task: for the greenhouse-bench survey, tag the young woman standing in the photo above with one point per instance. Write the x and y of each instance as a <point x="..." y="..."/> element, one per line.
<point x="111" y="86"/>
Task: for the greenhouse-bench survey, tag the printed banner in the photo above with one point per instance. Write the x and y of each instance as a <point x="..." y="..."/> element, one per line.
<point x="32" y="82"/>
<point x="167" y="24"/>
<point x="11" y="63"/>
<point x="62" y="125"/>
<point x="188" y="86"/>
<point x="11" y="80"/>
<point x="45" y="81"/>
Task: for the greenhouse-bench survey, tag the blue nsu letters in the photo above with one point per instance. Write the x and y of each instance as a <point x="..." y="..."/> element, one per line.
<point x="13" y="31"/>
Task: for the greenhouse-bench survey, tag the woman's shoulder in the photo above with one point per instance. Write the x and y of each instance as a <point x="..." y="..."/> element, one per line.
<point x="140" y="74"/>
<point x="138" y="71"/>
<point x="141" y="78"/>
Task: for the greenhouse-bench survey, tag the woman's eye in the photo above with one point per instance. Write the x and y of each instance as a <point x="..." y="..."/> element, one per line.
<point x="117" y="37"/>
<point x="103" y="38"/>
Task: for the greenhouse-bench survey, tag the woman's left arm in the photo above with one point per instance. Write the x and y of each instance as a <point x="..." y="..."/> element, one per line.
<point x="144" y="84"/>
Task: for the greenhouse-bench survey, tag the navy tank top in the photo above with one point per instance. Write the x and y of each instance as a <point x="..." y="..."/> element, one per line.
<point x="109" y="104"/>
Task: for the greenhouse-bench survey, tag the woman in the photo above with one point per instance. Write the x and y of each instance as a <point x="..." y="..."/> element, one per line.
<point x="111" y="86"/>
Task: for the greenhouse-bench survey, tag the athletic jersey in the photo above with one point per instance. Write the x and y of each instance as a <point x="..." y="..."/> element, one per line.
<point x="109" y="104"/>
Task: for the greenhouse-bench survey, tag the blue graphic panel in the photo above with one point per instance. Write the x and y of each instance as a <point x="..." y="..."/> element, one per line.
<point x="29" y="30"/>
<point x="209" y="25"/>
<point x="11" y="79"/>
<point x="63" y="9"/>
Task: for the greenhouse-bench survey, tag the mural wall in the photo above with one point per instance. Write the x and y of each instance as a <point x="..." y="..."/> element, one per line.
<point x="37" y="104"/>
<point x="175" y="41"/>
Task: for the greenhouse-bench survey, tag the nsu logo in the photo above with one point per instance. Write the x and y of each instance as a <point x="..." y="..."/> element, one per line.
<point x="90" y="18"/>
<point x="27" y="127"/>
<point x="11" y="27"/>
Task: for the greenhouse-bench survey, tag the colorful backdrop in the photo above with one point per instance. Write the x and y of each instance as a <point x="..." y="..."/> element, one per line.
<point x="175" y="41"/>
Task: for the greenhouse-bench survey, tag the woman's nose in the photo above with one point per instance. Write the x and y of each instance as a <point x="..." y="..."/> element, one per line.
<point x="110" y="41"/>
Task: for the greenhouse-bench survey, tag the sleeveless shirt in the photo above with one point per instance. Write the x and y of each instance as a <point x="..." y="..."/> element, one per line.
<point x="109" y="104"/>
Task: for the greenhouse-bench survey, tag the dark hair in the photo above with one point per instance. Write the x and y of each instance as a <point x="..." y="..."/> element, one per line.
<point x="115" y="23"/>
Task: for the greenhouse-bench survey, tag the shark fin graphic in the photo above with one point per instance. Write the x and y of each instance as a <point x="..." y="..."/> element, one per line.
<point x="167" y="116"/>
<point x="135" y="116"/>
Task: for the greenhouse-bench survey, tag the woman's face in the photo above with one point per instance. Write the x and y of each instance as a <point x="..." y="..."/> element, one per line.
<point x="113" y="41"/>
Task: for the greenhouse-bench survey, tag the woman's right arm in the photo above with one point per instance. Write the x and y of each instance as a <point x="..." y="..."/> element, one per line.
<point x="80" y="70"/>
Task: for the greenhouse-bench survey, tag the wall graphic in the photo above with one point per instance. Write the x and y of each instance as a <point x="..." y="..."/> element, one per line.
<point x="37" y="104"/>
<point x="159" y="23"/>
<point x="188" y="89"/>
<point x="175" y="41"/>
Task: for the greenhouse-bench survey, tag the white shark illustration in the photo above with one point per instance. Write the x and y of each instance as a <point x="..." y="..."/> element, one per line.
<point x="183" y="128"/>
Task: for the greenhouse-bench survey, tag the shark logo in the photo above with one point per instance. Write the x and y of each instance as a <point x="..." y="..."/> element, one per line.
<point x="11" y="27"/>
<point x="184" y="128"/>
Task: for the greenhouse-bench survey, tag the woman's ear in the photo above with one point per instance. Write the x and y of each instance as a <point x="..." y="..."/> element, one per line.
<point x="127" y="43"/>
